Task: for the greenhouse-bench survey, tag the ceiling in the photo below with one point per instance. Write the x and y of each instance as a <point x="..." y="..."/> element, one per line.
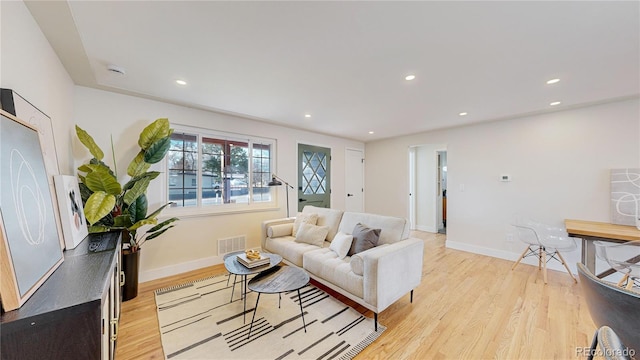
<point x="344" y="63"/>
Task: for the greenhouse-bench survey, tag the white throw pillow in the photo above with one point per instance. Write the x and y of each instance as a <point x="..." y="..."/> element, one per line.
<point x="279" y="230"/>
<point x="312" y="234"/>
<point x="311" y="218"/>
<point x="341" y="244"/>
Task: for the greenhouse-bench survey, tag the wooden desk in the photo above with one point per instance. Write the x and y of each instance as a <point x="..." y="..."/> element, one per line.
<point x="591" y="231"/>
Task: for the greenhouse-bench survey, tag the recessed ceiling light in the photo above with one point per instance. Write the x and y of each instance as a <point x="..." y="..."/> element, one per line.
<point x="462" y="114"/>
<point x="409" y="77"/>
<point x="307" y="115"/>
<point x="181" y="82"/>
<point x="116" y="69"/>
<point x="370" y="132"/>
<point x="555" y="103"/>
<point x="553" y="81"/>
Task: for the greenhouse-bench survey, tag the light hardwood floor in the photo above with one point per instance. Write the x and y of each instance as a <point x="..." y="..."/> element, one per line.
<point x="468" y="306"/>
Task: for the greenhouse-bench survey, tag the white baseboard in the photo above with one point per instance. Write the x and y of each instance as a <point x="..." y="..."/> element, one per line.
<point x="176" y="269"/>
<point x="507" y="255"/>
<point x="430" y="229"/>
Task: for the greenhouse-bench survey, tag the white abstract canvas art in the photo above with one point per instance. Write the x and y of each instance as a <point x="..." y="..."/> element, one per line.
<point x="74" y="224"/>
<point x="625" y="196"/>
<point x="30" y="234"/>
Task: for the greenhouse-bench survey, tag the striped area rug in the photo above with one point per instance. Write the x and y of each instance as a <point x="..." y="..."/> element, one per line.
<point x="199" y="320"/>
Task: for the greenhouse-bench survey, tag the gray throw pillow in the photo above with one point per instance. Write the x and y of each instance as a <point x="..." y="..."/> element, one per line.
<point x="364" y="238"/>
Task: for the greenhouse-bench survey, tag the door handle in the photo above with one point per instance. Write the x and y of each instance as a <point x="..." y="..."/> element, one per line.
<point x="349" y="195"/>
<point x="301" y="200"/>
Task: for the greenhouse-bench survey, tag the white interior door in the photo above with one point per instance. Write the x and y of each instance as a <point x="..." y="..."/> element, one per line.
<point x="354" y="180"/>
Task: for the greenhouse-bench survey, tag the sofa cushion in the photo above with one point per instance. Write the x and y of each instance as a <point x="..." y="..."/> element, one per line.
<point x="393" y="229"/>
<point x="308" y="218"/>
<point x="326" y="217"/>
<point x="312" y="234"/>
<point x="364" y="238"/>
<point x="290" y="250"/>
<point x="279" y="230"/>
<point x="325" y="264"/>
<point x="341" y="244"/>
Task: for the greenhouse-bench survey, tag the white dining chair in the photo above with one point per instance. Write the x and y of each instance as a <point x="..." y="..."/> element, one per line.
<point x="544" y="242"/>
<point x="624" y="258"/>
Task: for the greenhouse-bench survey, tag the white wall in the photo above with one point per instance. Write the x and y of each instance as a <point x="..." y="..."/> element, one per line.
<point x="193" y="242"/>
<point x="30" y="67"/>
<point x="559" y="163"/>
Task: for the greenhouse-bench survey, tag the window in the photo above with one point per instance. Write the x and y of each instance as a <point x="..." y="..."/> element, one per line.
<point x="208" y="169"/>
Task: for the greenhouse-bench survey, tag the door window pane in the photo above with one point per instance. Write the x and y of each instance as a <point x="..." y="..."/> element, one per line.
<point x="314" y="173"/>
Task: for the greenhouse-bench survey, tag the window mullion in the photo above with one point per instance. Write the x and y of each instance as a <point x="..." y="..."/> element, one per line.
<point x="199" y="175"/>
<point x="250" y="171"/>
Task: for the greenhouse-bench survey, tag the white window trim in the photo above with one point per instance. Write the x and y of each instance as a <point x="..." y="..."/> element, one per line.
<point x="223" y="209"/>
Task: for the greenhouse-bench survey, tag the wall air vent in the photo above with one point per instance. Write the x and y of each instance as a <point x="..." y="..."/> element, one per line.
<point x="228" y="245"/>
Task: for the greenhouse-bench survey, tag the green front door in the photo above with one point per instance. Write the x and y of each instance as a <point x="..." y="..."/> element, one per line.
<point x="314" y="176"/>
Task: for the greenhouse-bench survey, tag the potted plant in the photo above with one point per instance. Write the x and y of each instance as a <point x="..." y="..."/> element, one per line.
<point x="110" y="206"/>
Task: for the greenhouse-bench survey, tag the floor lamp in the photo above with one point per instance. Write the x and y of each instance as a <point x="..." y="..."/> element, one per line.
<point x="277" y="181"/>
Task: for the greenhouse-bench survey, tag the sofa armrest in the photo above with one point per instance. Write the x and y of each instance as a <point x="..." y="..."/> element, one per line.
<point x="268" y="223"/>
<point x="392" y="271"/>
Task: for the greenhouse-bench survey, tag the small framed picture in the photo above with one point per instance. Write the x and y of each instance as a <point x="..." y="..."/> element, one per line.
<point x="74" y="224"/>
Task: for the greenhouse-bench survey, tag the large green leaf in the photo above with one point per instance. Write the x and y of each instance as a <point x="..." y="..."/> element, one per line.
<point x="151" y="175"/>
<point x="143" y="222"/>
<point x="138" y="166"/>
<point x="103" y="181"/>
<point x="138" y="208"/>
<point x="95" y="161"/>
<point x="153" y="132"/>
<point x="98" y="228"/>
<point x="107" y="220"/>
<point x="139" y="188"/>
<point x="163" y="224"/>
<point x="158" y="233"/>
<point x="89" y="143"/>
<point x="100" y="166"/>
<point x="123" y="221"/>
<point x="158" y="210"/>
<point x="157" y="150"/>
<point x="97" y="166"/>
<point x="85" y="168"/>
<point x="85" y="192"/>
<point x="98" y="206"/>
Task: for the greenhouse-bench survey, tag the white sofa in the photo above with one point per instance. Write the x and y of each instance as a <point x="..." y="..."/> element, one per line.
<point x="374" y="278"/>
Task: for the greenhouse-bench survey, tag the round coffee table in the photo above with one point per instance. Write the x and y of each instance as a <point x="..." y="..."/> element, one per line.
<point x="233" y="266"/>
<point x="276" y="281"/>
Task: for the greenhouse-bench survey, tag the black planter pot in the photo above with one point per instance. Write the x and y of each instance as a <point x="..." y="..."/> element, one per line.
<point x="130" y="266"/>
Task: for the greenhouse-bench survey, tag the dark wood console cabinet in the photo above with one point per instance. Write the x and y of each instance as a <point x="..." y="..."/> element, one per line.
<point x="74" y="314"/>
